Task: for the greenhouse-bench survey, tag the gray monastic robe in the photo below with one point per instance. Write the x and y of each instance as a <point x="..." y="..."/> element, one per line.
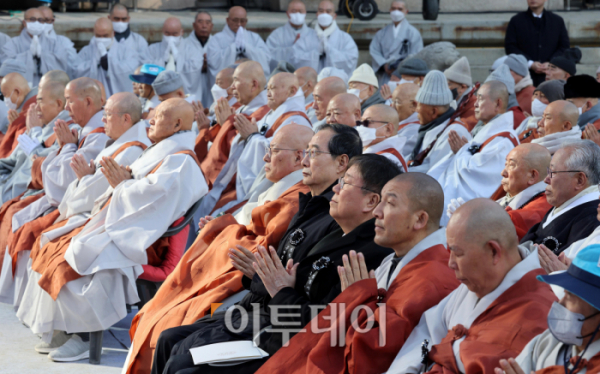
<point x="283" y="46"/>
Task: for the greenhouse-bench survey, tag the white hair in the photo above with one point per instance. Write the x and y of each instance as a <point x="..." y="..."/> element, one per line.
<point x="584" y="155"/>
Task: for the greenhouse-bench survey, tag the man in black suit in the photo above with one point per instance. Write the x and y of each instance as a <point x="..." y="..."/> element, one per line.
<point x="537" y="34"/>
<point x="572" y="180"/>
<point x="325" y="158"/>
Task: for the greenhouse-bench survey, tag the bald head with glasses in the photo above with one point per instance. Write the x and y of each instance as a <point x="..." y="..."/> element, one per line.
<point x="283" y="156"/>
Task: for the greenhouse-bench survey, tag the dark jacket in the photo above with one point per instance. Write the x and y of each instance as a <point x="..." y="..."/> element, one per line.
<point x="576" y="224"/>
<point x="376" y="98"/>
<point x="536" y="39"/>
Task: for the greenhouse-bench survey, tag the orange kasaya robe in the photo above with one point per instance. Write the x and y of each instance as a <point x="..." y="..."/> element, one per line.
<point x="16" y="128"/>
<point x="466" y="110"/>
<point x="420" y="285"/>
<point x="518" y="116"/>
<point x="529" y="214"/>
<point x="528" y="135"/>
<point x="500" y="332"/>
<point x="591" y="366"/>
<point x="205" y="274"/>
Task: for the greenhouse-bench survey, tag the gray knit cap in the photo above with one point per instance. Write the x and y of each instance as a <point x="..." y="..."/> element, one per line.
<point x="412" y="66"/>
<point x="518" y="64"/>
<point x="434" y="90"/>
<point x="166" y="82"/>
<point x="502" y="74"/>
<point x="553" y="90"/>
<point x="12" y="66"/>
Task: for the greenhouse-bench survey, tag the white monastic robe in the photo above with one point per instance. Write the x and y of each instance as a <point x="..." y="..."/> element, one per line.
<point x="337" y="49"/>
<point x="393" y="43"/>
<point x="516" y="202"/>
<point x="3" y="117"/>
<point x="284" y="47"/>
<point x="188" y="63"/>
<point x="396" y="143"/>
<point x="553" y="142"/>
<point x="222" y="51"/>
<point x="57" y="53"/>
<point x="4" y="39"/>
<point x="409" y="128"/>
<point x="137" y="43"/>
<point x="244" y="214"/>
<point x="460" y="307"/>
<point x="15" y="170"/>
<point x="122" y="61"/>
<point x="470" y="176"/>
<point x="104" y="254"/>
<point x="441" y="148"/>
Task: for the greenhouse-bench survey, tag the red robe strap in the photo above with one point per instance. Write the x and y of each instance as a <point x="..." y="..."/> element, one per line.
<point x="420" y="285"/>
<point x="466" y="109"/>
<point x="408" y="123"/>
<point x="308" y="106"/>
<point x="97" y="130"/>
<point x="124" y="146"/>
<point x="281" y="119"/>
<point x="505" y="134"/>
<point x="423" y="154"/>
<point x="397" y="155"/>
<point x="529" y="215"/>
<point x="16" y="128"/>
<point x="518" y="116"/>
<point x="528" y="135"/>
<point x="501" y="331"/>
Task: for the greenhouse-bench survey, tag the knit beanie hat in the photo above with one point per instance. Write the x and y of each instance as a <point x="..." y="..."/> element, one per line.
<point x="518" y="64"/>
<point x="565" y="64"/>
<point x="499" y="61"/>
<point x="166" y="82"/>
<point x="364" y="74"/>
<point x="502" y="74"/>
<point x="460" y="72"/>
<point x="412" y="66"/>
<point x="434" y="90"/>
<point x="553" y="90"/>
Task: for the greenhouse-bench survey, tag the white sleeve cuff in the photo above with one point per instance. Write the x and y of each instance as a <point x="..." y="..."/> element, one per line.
<point x="529" y="63"/>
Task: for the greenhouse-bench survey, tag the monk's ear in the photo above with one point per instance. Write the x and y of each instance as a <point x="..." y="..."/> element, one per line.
<point x="567" y="125"/>
<point x="497" y="250"/>
<point x="389" y="129"/>
<point x="421" y="221"/>
<point x="535" y="177"/>
<point x="293" y="90"/>
<point x="60" y="103"/>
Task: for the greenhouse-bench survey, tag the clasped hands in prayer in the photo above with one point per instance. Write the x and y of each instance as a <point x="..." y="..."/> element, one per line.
<point x="200" y="115"/>
<point x="114" y="173"/>
<point x="456" y="141"/>
<point x="65" y="135"/>
<point x="242" y="124"/>
<point x="509" y="366"/>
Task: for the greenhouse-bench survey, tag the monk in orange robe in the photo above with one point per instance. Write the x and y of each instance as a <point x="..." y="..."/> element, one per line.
<point x="407" y="283"/>
<point x="15" y="87"/>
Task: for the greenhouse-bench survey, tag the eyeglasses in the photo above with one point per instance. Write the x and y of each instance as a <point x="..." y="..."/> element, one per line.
<point x="270" y="150"/>
<point x="342" y="183"/>
<point x="48" y="20"/>
<point x="33" y="19"/>
<point x="551" y="173"/>
<point x="367" y="122"/>
<point x="313" y="152"/>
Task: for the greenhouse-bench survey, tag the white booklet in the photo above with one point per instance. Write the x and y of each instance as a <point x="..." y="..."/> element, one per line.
<point x="227" y="354"/>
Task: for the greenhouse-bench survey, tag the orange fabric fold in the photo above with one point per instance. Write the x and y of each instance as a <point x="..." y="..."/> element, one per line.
<point x="16" y="128"/>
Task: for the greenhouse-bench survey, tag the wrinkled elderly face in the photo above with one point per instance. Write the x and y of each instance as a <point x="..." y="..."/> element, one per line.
<point x="318" y="170"/>
<point x="393" y="216"/>
<point x="554" y="72"/>
<point x="48" y="107"/>
<point x="203" y="25"/>
<point x="404" y="105"/>
<point x="321" y="96"/>
<point x="115" y="122"/>
<point x="560" y="186"/>
<point x="516" y="173"/>
<point x="426" y="113"/>
<point x="541" y="97"/>
<point x="282" y="159"/>
<point x="277" y="92"/>
<point x="163" y="124"/>
<point x="365" y="90"/>
<point x="551" y="121"/>
<point x="242" y="87"/>
<point x="338" y="112"/>
<point x="77" y="106"/>
<point x="237" y="18"/>
<point x="485" y="106"/>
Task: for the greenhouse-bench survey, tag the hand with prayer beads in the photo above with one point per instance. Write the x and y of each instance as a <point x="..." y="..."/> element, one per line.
<point x="590" y="132"/>
<point x="64" y="134"/>
<point x="385" y="91"/>
<point x="509" y="366"/>
<point x="114" y="173"/>
<point x="32" y="120"/>
<point x="354" y="270"/>
<point x="223" y="111"/>
<point x="456" y="141"/>
<point x="244" y="126"/>
<point x="549" y="261"/>
<point x="81" y="167"/>
<point x="270" y="270"/>
<point x="204" y="221"/>
<point x="242" y="260"/>
<point x="12" y="115"/>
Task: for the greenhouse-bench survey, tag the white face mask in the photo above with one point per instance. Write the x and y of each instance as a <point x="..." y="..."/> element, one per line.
<point x="324" y="19"/>
<point x="48" y="27"/>
<point x="402" y="81"/>
<point x="8" y="102"/>
<point x="580" y="110"/>
<point x="106" y="41"/>
<point x="537" y="108"/>
<point x="218" y="92"/>
<point x="297" y="19"/>
<point x="172" y="39"/>
<point x="35" y="28"/>
<point x="120" y="26"/>
<point x="393" y="85"/>
<point x="397" y="15"/>
<point x="565" y="325"/>
<point x="367" y="134"/>
<point x="356" y="92"/>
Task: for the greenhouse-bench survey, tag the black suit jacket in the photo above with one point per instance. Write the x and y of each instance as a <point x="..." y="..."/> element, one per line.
<point x="537" y="40"/>
<point x="576" y="224"/>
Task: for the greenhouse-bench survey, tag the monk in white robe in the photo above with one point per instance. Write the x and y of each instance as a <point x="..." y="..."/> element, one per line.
<point x="84" y="103"/>
<point x="344" y="109"/>
<point x="558" y="125"/>
<point x="15" y="170"/>
<point x="106" y="60"/>
<point x="101" y="262"/>
<point x="235" y="43"/>
<point x="325" y="90"/>
<point x="473" y="167"/>
<point x="119" y="16"/>
<point x="490" y="315"/>
<point x="307" y="78"/>
<point x="286" y="103"/>
<point x="4" y="39"/>
<point x="336" y="48"/>
<point x="37" y="50"/>
<point x="288" y="42"/>
<point x="188" y="56"/>
<point x="395" y="42"/>
<point x="379" y="134"/>
<point x="403" y="100"/>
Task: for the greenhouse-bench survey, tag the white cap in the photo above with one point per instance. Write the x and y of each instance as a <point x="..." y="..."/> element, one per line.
<point x="460" y="72"/>
<point x="364" y="74"/>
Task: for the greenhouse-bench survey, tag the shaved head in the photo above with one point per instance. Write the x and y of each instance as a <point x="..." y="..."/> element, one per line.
<point x="237" y="17"/>
<point x="324" y="91"/>
<point x="537" y="157"/>
<point x="296" y="6"/>
<point x="172" y="27"/>
<point x="307" y="78"/>
<point x="344" y="109"/>
<point x="496" y="91"/>
<point x="103" y="28"/>
<point x="33" y="12"/>
<point x="423" y="193"/>
<point x="526" y="165"/>
<point x="55" y="76"/>
<point x="128" y="103"/>
<point x="384" y="113"/>
<point x="86" y="87"/>
<point x="55" y="90"/>
<point x="559" y="116"/>
<point x="50" y="100"/>
<point x="172" y="116"/>
<point x="119" y="8"/>
<point x="102" y="89"/>
<point x="248" y="81"/>
<point x="286" y="152"/>
<point x="84" y="99"/>
<point x="403" y="99"/>
<point x="281" y="87"/>
<point x="481" y="257"/>
<point x="47" y="12"/>
<point x="122" y="111"/>
<point x="15" y="87"/>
